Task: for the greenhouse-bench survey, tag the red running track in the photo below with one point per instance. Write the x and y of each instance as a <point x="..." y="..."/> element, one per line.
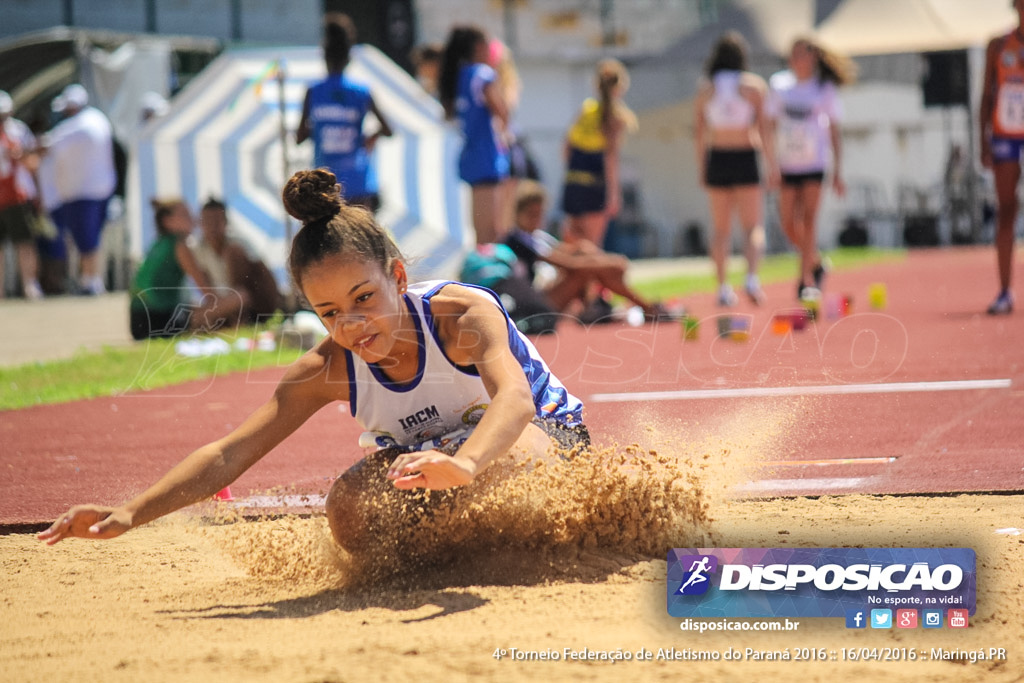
<point x="931" y="337"/>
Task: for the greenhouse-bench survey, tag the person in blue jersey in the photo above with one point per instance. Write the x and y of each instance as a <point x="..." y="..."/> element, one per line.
<point x="470" y="93"/>
<point x="333" y="114"/>
<point x="435" y="374"/>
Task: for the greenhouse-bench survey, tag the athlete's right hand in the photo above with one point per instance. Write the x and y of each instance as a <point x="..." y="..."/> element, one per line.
<point x="88" y="521"/>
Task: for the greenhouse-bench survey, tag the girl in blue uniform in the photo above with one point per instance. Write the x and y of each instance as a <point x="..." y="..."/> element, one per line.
<point x="470" y="93"/>
<point x="436" y="375"/>
<point x="333" y="114"/>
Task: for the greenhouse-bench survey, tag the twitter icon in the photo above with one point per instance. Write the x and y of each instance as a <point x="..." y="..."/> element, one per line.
<point x="881" y="618"/>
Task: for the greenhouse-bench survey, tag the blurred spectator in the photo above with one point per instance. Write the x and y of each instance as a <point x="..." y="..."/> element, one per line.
<point x="579" y="264"/>
<point x="152" y="105"/>
<point x="79" y="158"/>
<point x="730" y="128"/>
<point x="472" y="95"/>
<point x="333" y="114"/>
<point x="229" y="263"/>
<point x="592" y="194"/>
<point x="161" y="303"/>
<point x="804" y="112"/>
<point x="19" y="206"/>
<point x="426" y="59"/>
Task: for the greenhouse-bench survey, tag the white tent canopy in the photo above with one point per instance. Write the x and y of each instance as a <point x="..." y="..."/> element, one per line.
<point x="868" y="27"/>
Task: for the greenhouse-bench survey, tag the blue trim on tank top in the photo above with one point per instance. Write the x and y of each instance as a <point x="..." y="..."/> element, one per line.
<point x="351" y="371"/>
<point x="428" y="318"/>
<point x="421" y="357"/>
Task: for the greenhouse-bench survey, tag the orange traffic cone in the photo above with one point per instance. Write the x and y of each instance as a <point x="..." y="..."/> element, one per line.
<point x="224" y="494"/>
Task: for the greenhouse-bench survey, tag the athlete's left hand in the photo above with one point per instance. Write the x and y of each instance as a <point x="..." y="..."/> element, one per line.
<point x="430" y="470"/>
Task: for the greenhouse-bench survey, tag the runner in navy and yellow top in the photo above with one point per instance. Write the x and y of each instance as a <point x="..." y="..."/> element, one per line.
<point x="592" y="194"/>
<point x="1002" y="136"/>
<point x="436" y="373"/>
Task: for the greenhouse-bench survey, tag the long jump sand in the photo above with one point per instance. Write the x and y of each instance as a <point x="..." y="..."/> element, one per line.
<point x="189" y="599"/>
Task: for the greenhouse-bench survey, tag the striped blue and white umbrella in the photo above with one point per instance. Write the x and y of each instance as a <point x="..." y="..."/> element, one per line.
<point x="223" y="137"/>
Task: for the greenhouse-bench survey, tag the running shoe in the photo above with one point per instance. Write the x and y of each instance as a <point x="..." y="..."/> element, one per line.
<point x="661" y="313"/>
<point x="820" y="271"/>
<point x="1003" y="305"/>
<point x="726" y="297"/>
<point x="33" y="292"/>
<point x="753" y="290"/>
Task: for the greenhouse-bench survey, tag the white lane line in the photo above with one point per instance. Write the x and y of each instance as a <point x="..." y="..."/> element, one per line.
<point x="290" y="501"/>
<point x="803" y="485"/>
<point x="829" y="389"/>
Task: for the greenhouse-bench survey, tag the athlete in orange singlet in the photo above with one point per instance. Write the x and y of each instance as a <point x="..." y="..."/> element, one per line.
<point x="1002" y="137"/>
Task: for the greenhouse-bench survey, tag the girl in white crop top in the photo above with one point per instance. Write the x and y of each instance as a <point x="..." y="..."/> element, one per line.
<point x="728" y="108"/>
<point x="417" y="364"/>
<point x="728" y="138"/>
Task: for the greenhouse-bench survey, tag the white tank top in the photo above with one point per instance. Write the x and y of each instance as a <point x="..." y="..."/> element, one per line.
<point x="728" y="108"/>
<point x="444" y="401"/>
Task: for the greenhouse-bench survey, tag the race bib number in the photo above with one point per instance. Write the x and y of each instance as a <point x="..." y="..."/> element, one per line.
<point x="338" y="140"/>
<point x="798" y="144"/>
<point x="1010" y="108"/>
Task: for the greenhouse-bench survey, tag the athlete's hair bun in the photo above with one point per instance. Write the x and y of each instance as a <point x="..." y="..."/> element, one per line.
<point x="312" y="195"/>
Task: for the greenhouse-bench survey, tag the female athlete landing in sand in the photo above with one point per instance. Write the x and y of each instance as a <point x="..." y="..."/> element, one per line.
<point x="437" y="365"/>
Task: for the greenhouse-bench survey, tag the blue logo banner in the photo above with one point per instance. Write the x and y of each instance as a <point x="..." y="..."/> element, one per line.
<point x="818" y="582"/>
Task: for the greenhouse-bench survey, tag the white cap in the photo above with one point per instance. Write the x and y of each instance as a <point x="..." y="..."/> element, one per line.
<point x="153" y="104"/>
<point x="6" y="103"/>
<point x="73" y="97"/>
<point x="76" y="96"/>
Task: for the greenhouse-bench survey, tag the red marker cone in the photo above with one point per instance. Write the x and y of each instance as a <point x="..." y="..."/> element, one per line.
<point x="224" y="494"/>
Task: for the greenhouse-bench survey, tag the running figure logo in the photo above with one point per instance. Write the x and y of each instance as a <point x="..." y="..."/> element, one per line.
<point x="698" y="575"/>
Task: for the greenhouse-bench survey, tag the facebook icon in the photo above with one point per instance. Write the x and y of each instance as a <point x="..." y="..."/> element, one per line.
<point x="856" y="618"/>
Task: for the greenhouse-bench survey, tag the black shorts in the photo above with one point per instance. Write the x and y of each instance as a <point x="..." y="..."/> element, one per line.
<point x="156" y="324"/>
<point x="585" y="187"/>
<point x="731" y="168"/>
<point x="566" y="436"/>
<point x="16" y="223"/>
<point x="798" y="179"/>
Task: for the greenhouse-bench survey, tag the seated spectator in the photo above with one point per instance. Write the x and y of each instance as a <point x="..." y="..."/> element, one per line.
<point x="579" y="265"/>
<point x="161" y="303"/>
<point x="496" y="267"/>
<point x="231" y="264"/>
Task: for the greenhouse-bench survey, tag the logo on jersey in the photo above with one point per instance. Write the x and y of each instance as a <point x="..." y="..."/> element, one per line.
<point x="420" y="418"/>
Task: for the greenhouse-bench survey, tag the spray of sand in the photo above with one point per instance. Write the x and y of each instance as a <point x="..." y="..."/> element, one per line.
<point x="581" y="517"/>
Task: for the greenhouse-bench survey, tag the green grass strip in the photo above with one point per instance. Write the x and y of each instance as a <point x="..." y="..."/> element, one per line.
<point x="775" y="268"/>
<point x="116" y="370"/>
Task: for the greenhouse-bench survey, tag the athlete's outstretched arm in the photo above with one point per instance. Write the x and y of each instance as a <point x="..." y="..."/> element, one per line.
<point x="207" y="469"/>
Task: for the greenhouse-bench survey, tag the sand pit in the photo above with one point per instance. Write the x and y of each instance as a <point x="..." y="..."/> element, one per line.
<point x="540" y="565"/>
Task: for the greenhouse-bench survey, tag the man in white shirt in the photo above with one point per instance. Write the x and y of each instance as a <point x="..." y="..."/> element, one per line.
<point x="79" y="163"/>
